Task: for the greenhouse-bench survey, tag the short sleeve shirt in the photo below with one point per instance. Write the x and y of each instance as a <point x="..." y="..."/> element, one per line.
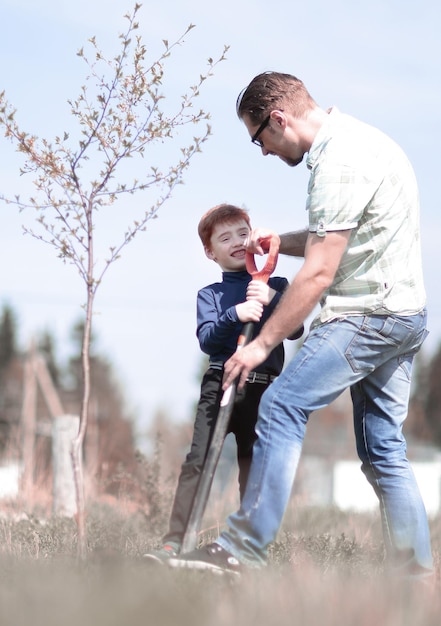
<point x="362" y="180"/>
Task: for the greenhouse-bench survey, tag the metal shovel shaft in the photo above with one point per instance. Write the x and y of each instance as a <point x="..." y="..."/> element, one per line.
<point x="214" y="451"/>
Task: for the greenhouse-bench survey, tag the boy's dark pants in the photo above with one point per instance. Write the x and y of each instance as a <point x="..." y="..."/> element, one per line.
<point x="242" y="423"/>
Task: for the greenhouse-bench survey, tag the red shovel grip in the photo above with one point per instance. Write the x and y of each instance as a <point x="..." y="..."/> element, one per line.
<point x="270" y="245"/>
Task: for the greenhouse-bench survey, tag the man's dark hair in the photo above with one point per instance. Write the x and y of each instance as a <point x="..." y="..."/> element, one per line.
<point x="270" y="91"/>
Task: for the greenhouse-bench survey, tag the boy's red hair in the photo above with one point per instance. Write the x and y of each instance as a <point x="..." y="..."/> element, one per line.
<point x="222" y="213"/>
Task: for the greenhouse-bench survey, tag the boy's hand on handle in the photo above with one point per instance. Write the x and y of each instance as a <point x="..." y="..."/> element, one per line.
<point x="260" y="291"/>
<point x="249" y="311"/>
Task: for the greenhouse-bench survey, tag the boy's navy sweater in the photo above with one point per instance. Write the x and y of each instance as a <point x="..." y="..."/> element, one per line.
<point x="218" y="326"/>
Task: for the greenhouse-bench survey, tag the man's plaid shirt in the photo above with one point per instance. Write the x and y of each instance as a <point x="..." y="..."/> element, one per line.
<point x="362" y="180"/>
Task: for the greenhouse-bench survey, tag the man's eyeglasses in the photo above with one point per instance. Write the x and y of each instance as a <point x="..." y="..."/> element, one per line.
<point x="255" y="138"/>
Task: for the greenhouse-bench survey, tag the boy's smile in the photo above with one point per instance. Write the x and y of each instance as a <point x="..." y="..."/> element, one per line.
<point x="227" y="245"/>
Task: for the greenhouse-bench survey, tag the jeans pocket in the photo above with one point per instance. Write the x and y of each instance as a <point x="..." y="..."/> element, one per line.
<point x="361" y="350"/>
<point x="393" y="330"/>
<point x="382" y="337"/>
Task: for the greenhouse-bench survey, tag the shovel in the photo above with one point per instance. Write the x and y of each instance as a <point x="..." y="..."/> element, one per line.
<point x="190" y="539"/>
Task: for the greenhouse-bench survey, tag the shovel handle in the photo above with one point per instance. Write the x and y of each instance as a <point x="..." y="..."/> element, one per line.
<point x="270" y="245"/>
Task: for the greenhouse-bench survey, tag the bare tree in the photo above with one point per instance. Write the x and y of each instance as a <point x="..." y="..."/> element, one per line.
<point x="120" y="114"/>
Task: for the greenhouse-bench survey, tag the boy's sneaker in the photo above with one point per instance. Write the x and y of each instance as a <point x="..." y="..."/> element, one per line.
<point x="212" y="557"/>
<point x="166" y="552"/>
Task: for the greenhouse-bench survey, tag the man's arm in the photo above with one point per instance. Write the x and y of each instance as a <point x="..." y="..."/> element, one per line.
<point x="291" y="244"/>
<point x="294" y="244"/>
<point x="322" y="259"/>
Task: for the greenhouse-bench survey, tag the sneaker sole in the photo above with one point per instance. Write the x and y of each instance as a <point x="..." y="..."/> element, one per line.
<point x="155" y="559"/>
<point x="201" y="566"/>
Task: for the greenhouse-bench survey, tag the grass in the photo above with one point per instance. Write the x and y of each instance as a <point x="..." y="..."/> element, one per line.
<point x="325" y="568"/>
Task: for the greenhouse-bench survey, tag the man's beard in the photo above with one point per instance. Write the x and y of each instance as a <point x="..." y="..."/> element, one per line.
<point x="292" y="162"/>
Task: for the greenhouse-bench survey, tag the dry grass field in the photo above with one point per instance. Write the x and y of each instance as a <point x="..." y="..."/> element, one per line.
<point x="325" y="569"/>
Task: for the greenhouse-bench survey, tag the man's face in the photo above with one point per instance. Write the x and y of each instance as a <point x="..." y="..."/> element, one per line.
<point x="278" y="138"/>
<point x="227" y="245"/>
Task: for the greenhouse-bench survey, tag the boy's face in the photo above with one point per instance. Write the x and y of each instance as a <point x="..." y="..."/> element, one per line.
<point x="227" y="245"/>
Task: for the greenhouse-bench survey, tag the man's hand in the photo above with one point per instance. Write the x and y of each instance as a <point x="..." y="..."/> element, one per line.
<point x="249" y="311"/>
<point x="242" y="363"/>
<point x="254" y="240"/>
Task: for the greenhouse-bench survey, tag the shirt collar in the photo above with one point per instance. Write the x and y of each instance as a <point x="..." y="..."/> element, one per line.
<point x="235" y="277"/>
<point x="322" y="137"/>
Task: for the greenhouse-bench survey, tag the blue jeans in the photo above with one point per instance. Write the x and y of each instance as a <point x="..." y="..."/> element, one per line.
<point x="373" y="356"/>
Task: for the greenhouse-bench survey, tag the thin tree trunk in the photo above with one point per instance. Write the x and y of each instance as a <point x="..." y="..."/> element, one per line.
<point x="77" y="445"/>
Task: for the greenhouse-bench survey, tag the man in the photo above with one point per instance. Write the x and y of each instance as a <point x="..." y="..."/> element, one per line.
<point x="363" y="265"/>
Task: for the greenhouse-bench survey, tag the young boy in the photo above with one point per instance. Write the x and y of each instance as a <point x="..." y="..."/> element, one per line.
<point x="222" y="309"/>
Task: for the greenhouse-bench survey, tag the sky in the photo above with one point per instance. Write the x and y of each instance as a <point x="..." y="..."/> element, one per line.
<point x="378" y="61"/>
